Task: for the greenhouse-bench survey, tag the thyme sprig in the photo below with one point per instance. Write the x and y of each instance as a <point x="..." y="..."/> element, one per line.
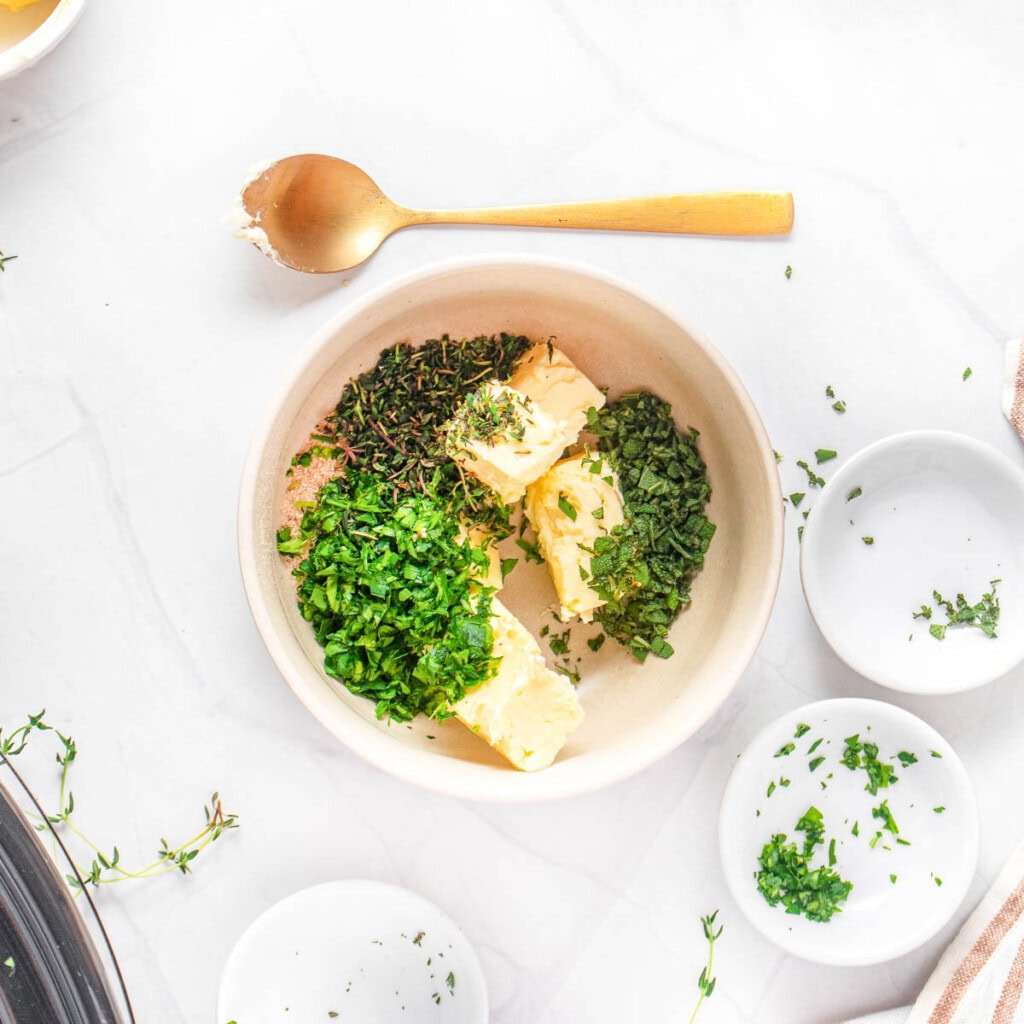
<point x="706" y="982"/>
<point x="106" y="868"/>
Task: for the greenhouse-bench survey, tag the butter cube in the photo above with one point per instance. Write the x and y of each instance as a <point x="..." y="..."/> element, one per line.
<point x="525" y="711"/>
<point x="505" y="440"/>
<point x="570" y="507"/>
<point x="548" y="376"/>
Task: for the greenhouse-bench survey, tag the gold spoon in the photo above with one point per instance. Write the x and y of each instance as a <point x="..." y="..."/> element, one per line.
<point x="321" y="214"/>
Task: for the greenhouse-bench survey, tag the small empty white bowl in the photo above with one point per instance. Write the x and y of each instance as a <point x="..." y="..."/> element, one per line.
<point x="881" y="919"/>
<point x="353" y="951"/>
<point x="944" y="512"/>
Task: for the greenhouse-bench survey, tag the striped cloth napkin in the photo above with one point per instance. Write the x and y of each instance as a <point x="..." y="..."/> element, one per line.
<point x="1013" y="386"/>
<point x="980" y="977"/>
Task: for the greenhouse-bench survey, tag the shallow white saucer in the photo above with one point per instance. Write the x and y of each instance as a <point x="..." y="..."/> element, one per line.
<point x="353" y="951"/>
<point x="944" y="512"/>
<point x="881" y="919"/>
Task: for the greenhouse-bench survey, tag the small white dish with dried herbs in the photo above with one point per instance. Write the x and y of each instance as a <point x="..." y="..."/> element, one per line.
<point x="913" y="563"/>
<point x="353" y="950"/>
<point x="849" y="832"/>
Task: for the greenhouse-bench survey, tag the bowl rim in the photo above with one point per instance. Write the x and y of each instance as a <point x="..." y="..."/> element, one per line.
<point x="39" y="43"/>
<point x="780" y="938"/>
<point x="384" y="891"/>
<point x="942" y="440"/>
<point x="417" y="766"/>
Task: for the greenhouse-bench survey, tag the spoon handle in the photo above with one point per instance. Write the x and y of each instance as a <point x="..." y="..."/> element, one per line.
<point x="706" y="213"/>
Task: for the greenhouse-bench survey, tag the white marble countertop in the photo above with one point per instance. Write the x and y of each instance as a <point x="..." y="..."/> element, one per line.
<point x="140" y="341"/>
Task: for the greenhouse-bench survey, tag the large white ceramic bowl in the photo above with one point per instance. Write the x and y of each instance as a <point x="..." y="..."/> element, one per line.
<point x="31" y="33"/>
<point x="620" y="338"/>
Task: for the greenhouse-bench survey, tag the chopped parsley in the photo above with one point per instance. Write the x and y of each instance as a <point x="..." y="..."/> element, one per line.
<point x="4" y="260"/>
<point x="796" y="497"/>
<point x="884" y="815"/>
<point x="824" y="455"/>
<point x="566" y="507"/>
<point x="855" y="493"/>
<point x="868" y="540"/>
<point x="785" y="750"/>
<point x="787" y="877"/>
<point x="789" y="272"/>
<point x="967" y="373"/>
<point x="865" y="755"/>
<point x="802" y="729"/>
<point x="390" y="589"/>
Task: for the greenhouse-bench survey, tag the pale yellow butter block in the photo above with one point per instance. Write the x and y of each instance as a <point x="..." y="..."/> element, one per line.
<point x="525" y="711"/>
<point x="598" y="508"/>
<point x="550" y="378"/>
<point x="511" y="458"/>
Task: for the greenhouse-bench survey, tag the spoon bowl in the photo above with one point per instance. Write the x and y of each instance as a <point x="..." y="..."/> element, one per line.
<point x="321" y="215"/>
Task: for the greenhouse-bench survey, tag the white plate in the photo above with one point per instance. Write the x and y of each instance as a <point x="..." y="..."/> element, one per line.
<point x="363" y="950"/>
<point x="880" y="920"/>
<point x="946" y="512"/>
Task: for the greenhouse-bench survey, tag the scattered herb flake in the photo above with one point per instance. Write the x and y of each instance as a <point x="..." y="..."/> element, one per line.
<point x="984" y="615"/>
<point x="566" y="506"/>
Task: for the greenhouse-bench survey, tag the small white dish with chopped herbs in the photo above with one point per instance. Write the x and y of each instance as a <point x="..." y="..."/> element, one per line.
<point x="353" y="950"/>
<point x="913" y="563"/>
<point x="849" y="832"/>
